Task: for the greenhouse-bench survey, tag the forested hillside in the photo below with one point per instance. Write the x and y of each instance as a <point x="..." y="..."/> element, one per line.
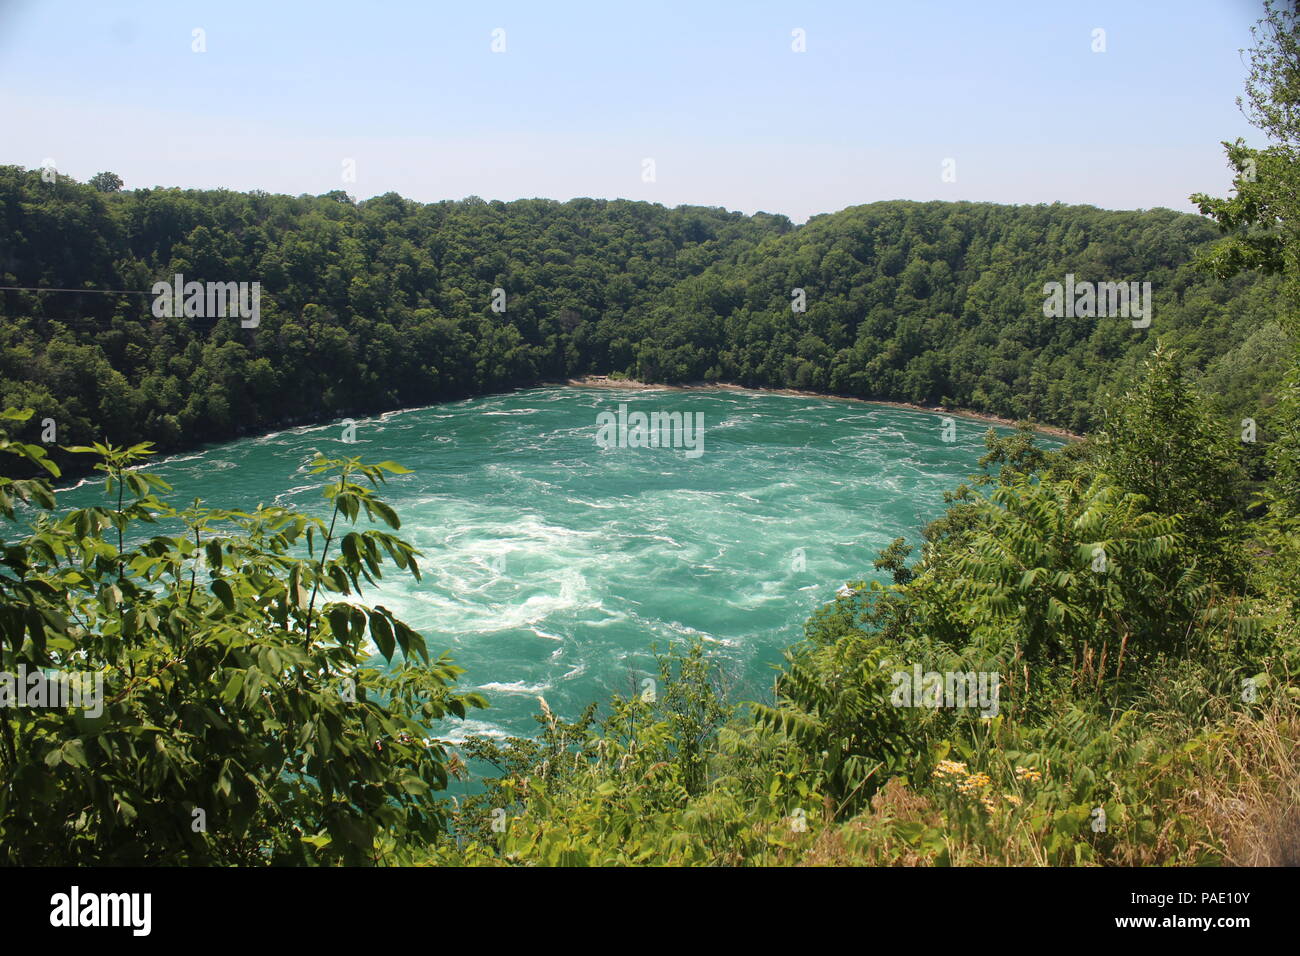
<point x="943" y="303"/>
<point x="388" y="303"/>
<point x="364" y="307"/>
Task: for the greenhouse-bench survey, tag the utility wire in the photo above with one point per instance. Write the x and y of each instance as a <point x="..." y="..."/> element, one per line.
<point x="24" y="288"/>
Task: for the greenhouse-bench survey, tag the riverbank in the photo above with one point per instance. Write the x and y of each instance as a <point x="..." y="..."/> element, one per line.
<point x="604" y="381"/>
<point x="78" y="471"/>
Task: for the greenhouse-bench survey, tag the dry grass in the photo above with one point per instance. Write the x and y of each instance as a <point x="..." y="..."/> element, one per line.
<point x="1252" y="802"/>
<point x="869" y="839"/>
<point x="1240" y="804"/>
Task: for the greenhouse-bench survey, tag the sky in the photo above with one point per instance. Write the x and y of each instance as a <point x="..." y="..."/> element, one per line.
<point x="704" y="102"/>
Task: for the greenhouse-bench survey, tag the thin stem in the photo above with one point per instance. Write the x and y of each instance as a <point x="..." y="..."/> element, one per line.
<point x="193" y="567"/>
<point x="120" y="492"/>
<point x="320" y="565"/>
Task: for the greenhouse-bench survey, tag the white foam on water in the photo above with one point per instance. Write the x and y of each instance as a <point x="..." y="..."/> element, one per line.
<point x="81" y="484"/>
<point x="296" y="490"/>
<point x="462" y="730"/>
<point x="515" y="687"/>
<point x="591" y="504"/>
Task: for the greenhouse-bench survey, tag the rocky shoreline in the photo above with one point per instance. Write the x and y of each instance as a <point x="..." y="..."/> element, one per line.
<point x="604" y="381"/>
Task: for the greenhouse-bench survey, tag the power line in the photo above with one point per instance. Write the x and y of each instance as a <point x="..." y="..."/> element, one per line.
<point x="25" y="288"/>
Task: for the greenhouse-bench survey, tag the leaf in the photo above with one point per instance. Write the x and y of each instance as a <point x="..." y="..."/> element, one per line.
<point x="74" y="752"/>
<point x="298" y="594"/>
<point x="387" y="513"/>
<point x="350" y="549"/>
<point x="233" y="685"/>
<point x="382" y="633"/>
<point x="224" y="594"/>
<point x="339" y="616"/>
<point x="411" y="639"/>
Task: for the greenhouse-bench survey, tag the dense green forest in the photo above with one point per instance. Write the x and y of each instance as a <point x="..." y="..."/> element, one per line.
<point x="389" y="303"/>
<point x="364" y="307"/>
<point x="943" y="303"/>
<point x="1138" y="592"/>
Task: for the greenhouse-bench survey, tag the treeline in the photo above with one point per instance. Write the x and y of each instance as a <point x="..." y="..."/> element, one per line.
<point x="365" y="307"/>
<point x="389" y="303"/>
<point x="943" y="303"/>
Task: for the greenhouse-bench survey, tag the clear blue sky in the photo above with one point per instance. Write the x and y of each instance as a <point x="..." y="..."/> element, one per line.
<point x="585" y="91"/>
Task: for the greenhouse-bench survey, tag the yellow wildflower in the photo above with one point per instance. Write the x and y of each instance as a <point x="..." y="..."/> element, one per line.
<point x="973" y="783"/>
<point x="949" y="768"/>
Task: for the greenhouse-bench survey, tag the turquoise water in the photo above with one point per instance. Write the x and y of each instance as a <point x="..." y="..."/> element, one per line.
<point x="552" y="564"/>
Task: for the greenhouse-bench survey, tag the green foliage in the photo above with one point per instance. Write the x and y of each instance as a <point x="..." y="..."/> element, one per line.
<point x="1262" y="221"/>
<point x="239" y="722"/>
<point x="1016" y="454"/>
<point x="629" y="788"/>
<point x="894" y="560"/>
<point x="365" y="306"/>
<point x="1159" y="441"/>
<point x="941" y="303"/>
<point x="833" y="702"/>
<point x="106" y="182"/>
<point x="1066" y="565"/>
